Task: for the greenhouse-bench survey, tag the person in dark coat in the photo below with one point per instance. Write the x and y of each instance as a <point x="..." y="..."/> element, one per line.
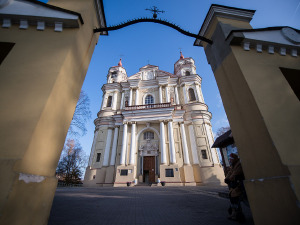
<point x="234" y="179"/>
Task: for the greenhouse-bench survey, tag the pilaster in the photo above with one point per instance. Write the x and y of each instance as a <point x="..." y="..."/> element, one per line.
<point x="124" y="144"/>
<point x="107" y="146"/>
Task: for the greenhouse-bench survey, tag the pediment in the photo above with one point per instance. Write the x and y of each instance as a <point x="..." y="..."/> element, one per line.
<point x="149" y="67"/>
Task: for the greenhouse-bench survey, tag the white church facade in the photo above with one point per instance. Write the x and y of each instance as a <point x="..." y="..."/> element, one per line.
<point x="153" y="127"/>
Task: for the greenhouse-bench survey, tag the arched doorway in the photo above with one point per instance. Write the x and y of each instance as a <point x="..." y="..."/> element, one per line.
<point x="148" y="156"/>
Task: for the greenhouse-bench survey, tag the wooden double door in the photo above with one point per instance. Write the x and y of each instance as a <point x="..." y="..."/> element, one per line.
<point x="149" y="169"/>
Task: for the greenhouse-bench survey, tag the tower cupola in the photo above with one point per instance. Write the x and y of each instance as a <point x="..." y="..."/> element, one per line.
<point x="184" y="66"/>
<point x="117" y="74"/>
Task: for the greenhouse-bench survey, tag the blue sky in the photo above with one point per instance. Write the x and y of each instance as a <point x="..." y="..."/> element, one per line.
<point x="159" y="45"/>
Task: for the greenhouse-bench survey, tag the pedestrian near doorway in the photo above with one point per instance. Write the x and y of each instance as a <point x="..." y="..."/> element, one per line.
<point x="234" y="179"/>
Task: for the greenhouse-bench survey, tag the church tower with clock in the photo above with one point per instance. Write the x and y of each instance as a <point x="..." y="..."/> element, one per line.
<point x="153" y="127"/>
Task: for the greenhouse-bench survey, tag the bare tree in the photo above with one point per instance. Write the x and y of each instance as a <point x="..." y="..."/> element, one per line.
<point x="222" y="130"/>
<point x="71" y="164"/>
<point x="81" y="115"/>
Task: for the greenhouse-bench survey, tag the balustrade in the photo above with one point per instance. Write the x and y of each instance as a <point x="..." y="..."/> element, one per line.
<point x="149" y="106"/>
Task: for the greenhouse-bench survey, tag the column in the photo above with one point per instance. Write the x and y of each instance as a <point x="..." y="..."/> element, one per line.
<point x="130" y="97"/>
<point x="184" y="95"/>
<point x="136" y="96"/>
<point x="124" y="145"/>
<point x="93" y="148"/>
<point x="160" y="94"/>
<point x="199" y="93"/>
<point x="103" y="100"/>
<point x="114" y="103"/>
<point x="122" y="100"/>
<point x="193" y="144"/>
<point x="163" y="143"/>
<point x="184" y="144"/>
<point x="167" y="94"/>
<point x="176" y="96"/>
<point x="210" y="138"/>
<point x="107" y="147"/>
<point x="171" y="142"/>
<point x="114" y="147"/>
<point x="132" y="145"/>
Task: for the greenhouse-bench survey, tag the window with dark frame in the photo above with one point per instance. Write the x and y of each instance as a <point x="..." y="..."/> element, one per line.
<point x="98" y="157"/>
<point x="293" y="78"/>
<point x="149" y="100"/>
<point x="169" y="173"/>
<point x="124" y="172"/>
<point x="114" y="74"/>
<point x="148" y="135"/>
<point x="109" y="100"/>
<point x="187" y="73"/>
<point x="204" y="154"/>
<point x="192" y="95"/>
<point x="5" y="48"/>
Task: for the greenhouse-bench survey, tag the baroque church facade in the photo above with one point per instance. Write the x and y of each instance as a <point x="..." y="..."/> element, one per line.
<point x="153" y="127"/>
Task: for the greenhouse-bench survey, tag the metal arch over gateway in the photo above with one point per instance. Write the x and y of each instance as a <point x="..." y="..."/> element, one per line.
<point x="150" y="20"/>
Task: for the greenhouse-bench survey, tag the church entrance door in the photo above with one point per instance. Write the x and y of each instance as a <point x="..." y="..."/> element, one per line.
<point x="149" y="169"/>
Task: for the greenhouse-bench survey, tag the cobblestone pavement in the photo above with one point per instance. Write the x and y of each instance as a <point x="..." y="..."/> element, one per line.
<point x="142" y="206"/>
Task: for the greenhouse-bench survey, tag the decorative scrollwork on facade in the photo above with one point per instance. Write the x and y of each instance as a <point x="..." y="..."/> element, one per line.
<point x="148" y="148"/>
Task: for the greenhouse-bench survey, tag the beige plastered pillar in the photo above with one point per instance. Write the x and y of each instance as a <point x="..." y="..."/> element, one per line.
<point x="265" y="131"/>
<point x="41" y="80"/>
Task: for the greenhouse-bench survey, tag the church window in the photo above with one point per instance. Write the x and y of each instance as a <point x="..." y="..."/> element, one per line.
<point x="148" y="135"/>
<point x="169" y="173"/>
<point x="98" y="157"/>
<point x="149" y="100"/>
<point x="114" y="74"/>
<point x="192" y="96"/>
<point x="109" y="100"/>
<point x="204" y="154"/>
<point x="124" y="172"/>
<point x="187" y="73"/>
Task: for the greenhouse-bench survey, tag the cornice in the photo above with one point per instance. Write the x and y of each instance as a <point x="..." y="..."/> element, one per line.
<point x="281" y="40"/>
<point x="225" y="12"/>
<point x="34" y="13"/>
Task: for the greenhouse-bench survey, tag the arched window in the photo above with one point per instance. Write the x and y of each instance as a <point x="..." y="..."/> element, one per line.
<point x="149" y="100"/>
<point x="192" y="96"/>
<point x="187" y="73"/>
<point x="148" y="135"/>
<point x="108" y="104"/>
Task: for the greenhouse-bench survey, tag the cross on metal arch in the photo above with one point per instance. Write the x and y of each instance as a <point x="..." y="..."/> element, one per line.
<point x="155" y="11"/>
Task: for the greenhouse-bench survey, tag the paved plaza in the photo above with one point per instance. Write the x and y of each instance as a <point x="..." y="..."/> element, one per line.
<point x="142" y="206"/>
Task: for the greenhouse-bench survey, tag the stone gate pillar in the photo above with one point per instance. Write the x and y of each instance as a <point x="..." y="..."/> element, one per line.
<point x="257" y="72"/>
<point x="48" y="55"/>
